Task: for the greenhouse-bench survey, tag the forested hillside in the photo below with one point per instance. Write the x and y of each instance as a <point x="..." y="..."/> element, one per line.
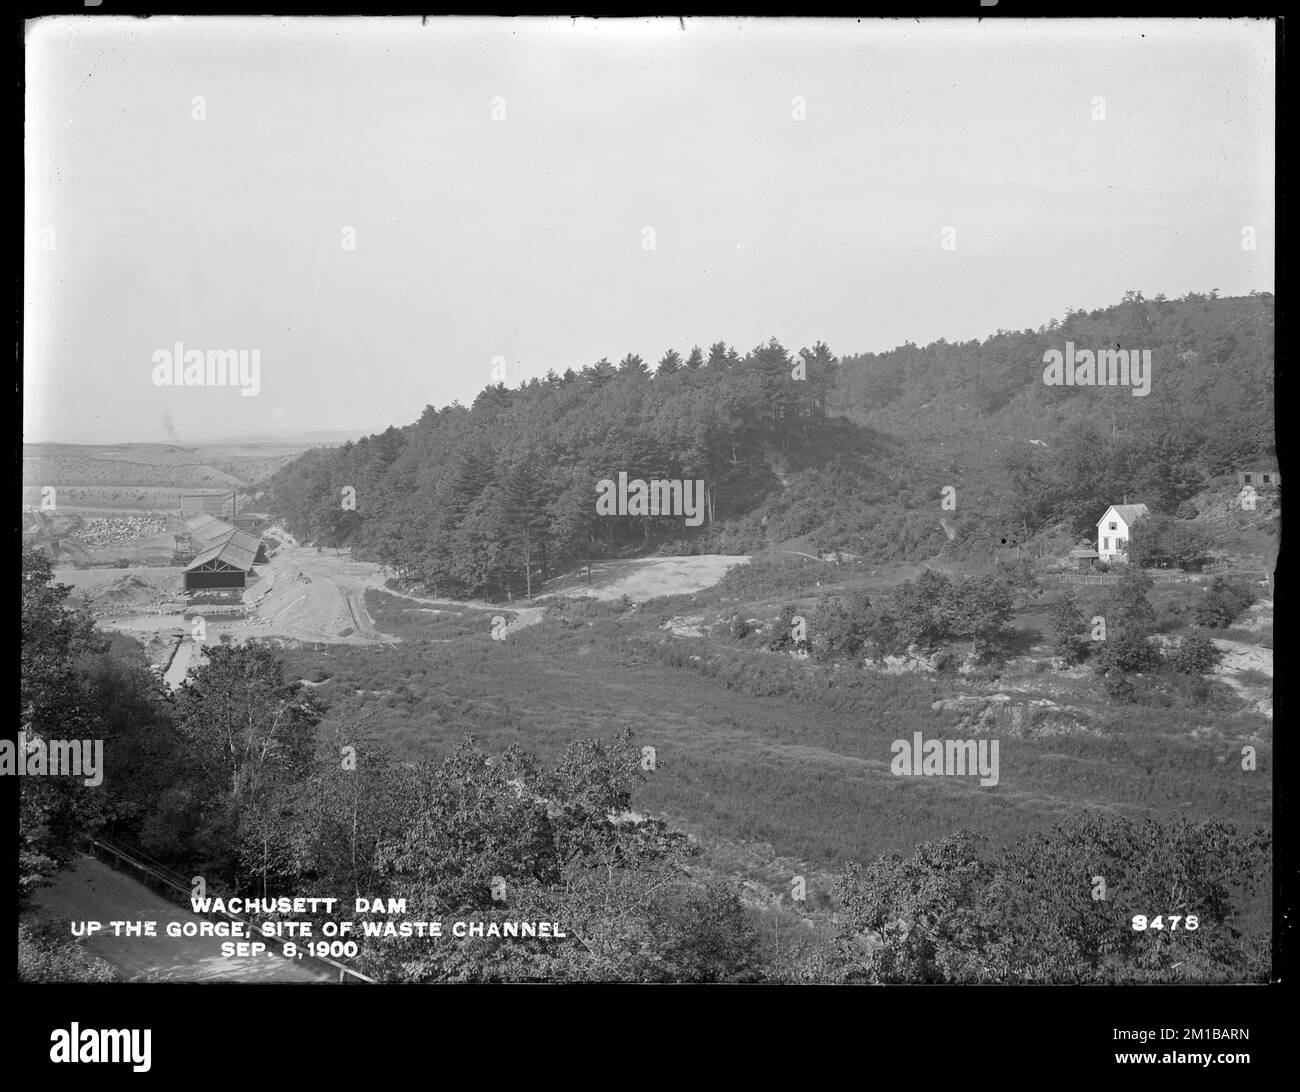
<point x="1036" y="453"/>
<point x="850" y="453"/>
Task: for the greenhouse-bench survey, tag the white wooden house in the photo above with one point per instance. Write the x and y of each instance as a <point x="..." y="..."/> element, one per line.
<point x="1113" y="530"/>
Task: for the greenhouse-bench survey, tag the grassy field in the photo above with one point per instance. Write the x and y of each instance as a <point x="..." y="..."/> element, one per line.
<point x="777" y="764"/>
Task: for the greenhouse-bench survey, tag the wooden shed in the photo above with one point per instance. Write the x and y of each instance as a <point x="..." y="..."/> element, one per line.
<point x="225" y="565"/>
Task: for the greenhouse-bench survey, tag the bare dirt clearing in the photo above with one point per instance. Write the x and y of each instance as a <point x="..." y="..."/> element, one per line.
<point x="646" y="578"/>
<point x="1239" y="657"/>
<point x="1257" y="616"/>
<point x="308" y="596"/>
<point x="122" y="591"/>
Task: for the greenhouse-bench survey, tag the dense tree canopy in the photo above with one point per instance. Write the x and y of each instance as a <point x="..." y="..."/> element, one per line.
<point x="475" y="501"/>
<point x="852" y="454"/>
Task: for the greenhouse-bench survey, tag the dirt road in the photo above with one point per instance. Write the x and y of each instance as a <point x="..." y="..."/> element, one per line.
<point x="91" y="891"/>
<point x="312" y="596"/>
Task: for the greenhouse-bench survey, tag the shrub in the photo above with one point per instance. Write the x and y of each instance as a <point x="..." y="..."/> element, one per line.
<point x="1126" y="651"/>
<point x="1171" y="618"/>
<point x="1119" y="688"/>
<point x="44" y="956"/>
<point x="1224" y="601"/>
<point x="705" y="936"/>
<point x="783" y="638"/>
<point x="1162" y="543"/>
<point x="1196" y="654"/>
<point x="1201" y="692"/>
<point x="980" y="608"/>
<point x="884" y="634"/>
<point x="1021" y="578"/>
<point x="946" y="662"/>
<point x="987" y="671"/>
<point x="923" y="609"/>
<point x="841" y="628"/>
<point x="1127" y="604"/>
<point x="1067" y="623"/>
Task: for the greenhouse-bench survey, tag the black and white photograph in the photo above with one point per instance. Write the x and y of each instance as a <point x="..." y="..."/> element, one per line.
<point x="729" y="501"/>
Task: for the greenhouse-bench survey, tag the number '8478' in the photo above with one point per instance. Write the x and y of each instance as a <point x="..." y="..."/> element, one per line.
<point x="1141" y="923"/>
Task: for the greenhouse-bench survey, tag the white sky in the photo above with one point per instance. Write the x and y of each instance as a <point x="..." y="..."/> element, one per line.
<point x="522" y="238"/>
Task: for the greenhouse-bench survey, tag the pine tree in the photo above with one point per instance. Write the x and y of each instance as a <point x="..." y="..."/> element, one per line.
<point x="669" y="363"/>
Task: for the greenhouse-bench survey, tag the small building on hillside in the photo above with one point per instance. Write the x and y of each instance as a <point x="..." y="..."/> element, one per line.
<point x="1113" y="530"/>
<point x="1083" y="559"/>
<point x="224" y="566"/>
<point x="226" y="555"/>
<point x="249" y="521"/>
<point x="1259" y="478"/>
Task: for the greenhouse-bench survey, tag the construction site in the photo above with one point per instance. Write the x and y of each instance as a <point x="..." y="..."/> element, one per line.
<point x="153" y="574"/>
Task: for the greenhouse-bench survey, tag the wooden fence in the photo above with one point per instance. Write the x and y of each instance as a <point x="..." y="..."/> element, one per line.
<point x="1200" y="578"/>
<point x="1086" y="578"/>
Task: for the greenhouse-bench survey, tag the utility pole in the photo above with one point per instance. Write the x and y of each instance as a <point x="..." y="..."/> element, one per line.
<point x="528" y="561"/>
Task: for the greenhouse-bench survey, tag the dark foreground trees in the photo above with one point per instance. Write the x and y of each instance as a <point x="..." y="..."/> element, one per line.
<point x="1097" y="898"/>
<point x="507" y="839"/>
<point x="54" y="812"/>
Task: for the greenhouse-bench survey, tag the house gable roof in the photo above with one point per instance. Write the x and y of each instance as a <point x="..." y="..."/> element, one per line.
<point x="1129" y="513"/>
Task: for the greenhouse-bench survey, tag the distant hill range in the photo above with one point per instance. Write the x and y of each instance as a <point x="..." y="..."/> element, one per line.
<point x="325" y="438"/>
<point x="105" y="478"/>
